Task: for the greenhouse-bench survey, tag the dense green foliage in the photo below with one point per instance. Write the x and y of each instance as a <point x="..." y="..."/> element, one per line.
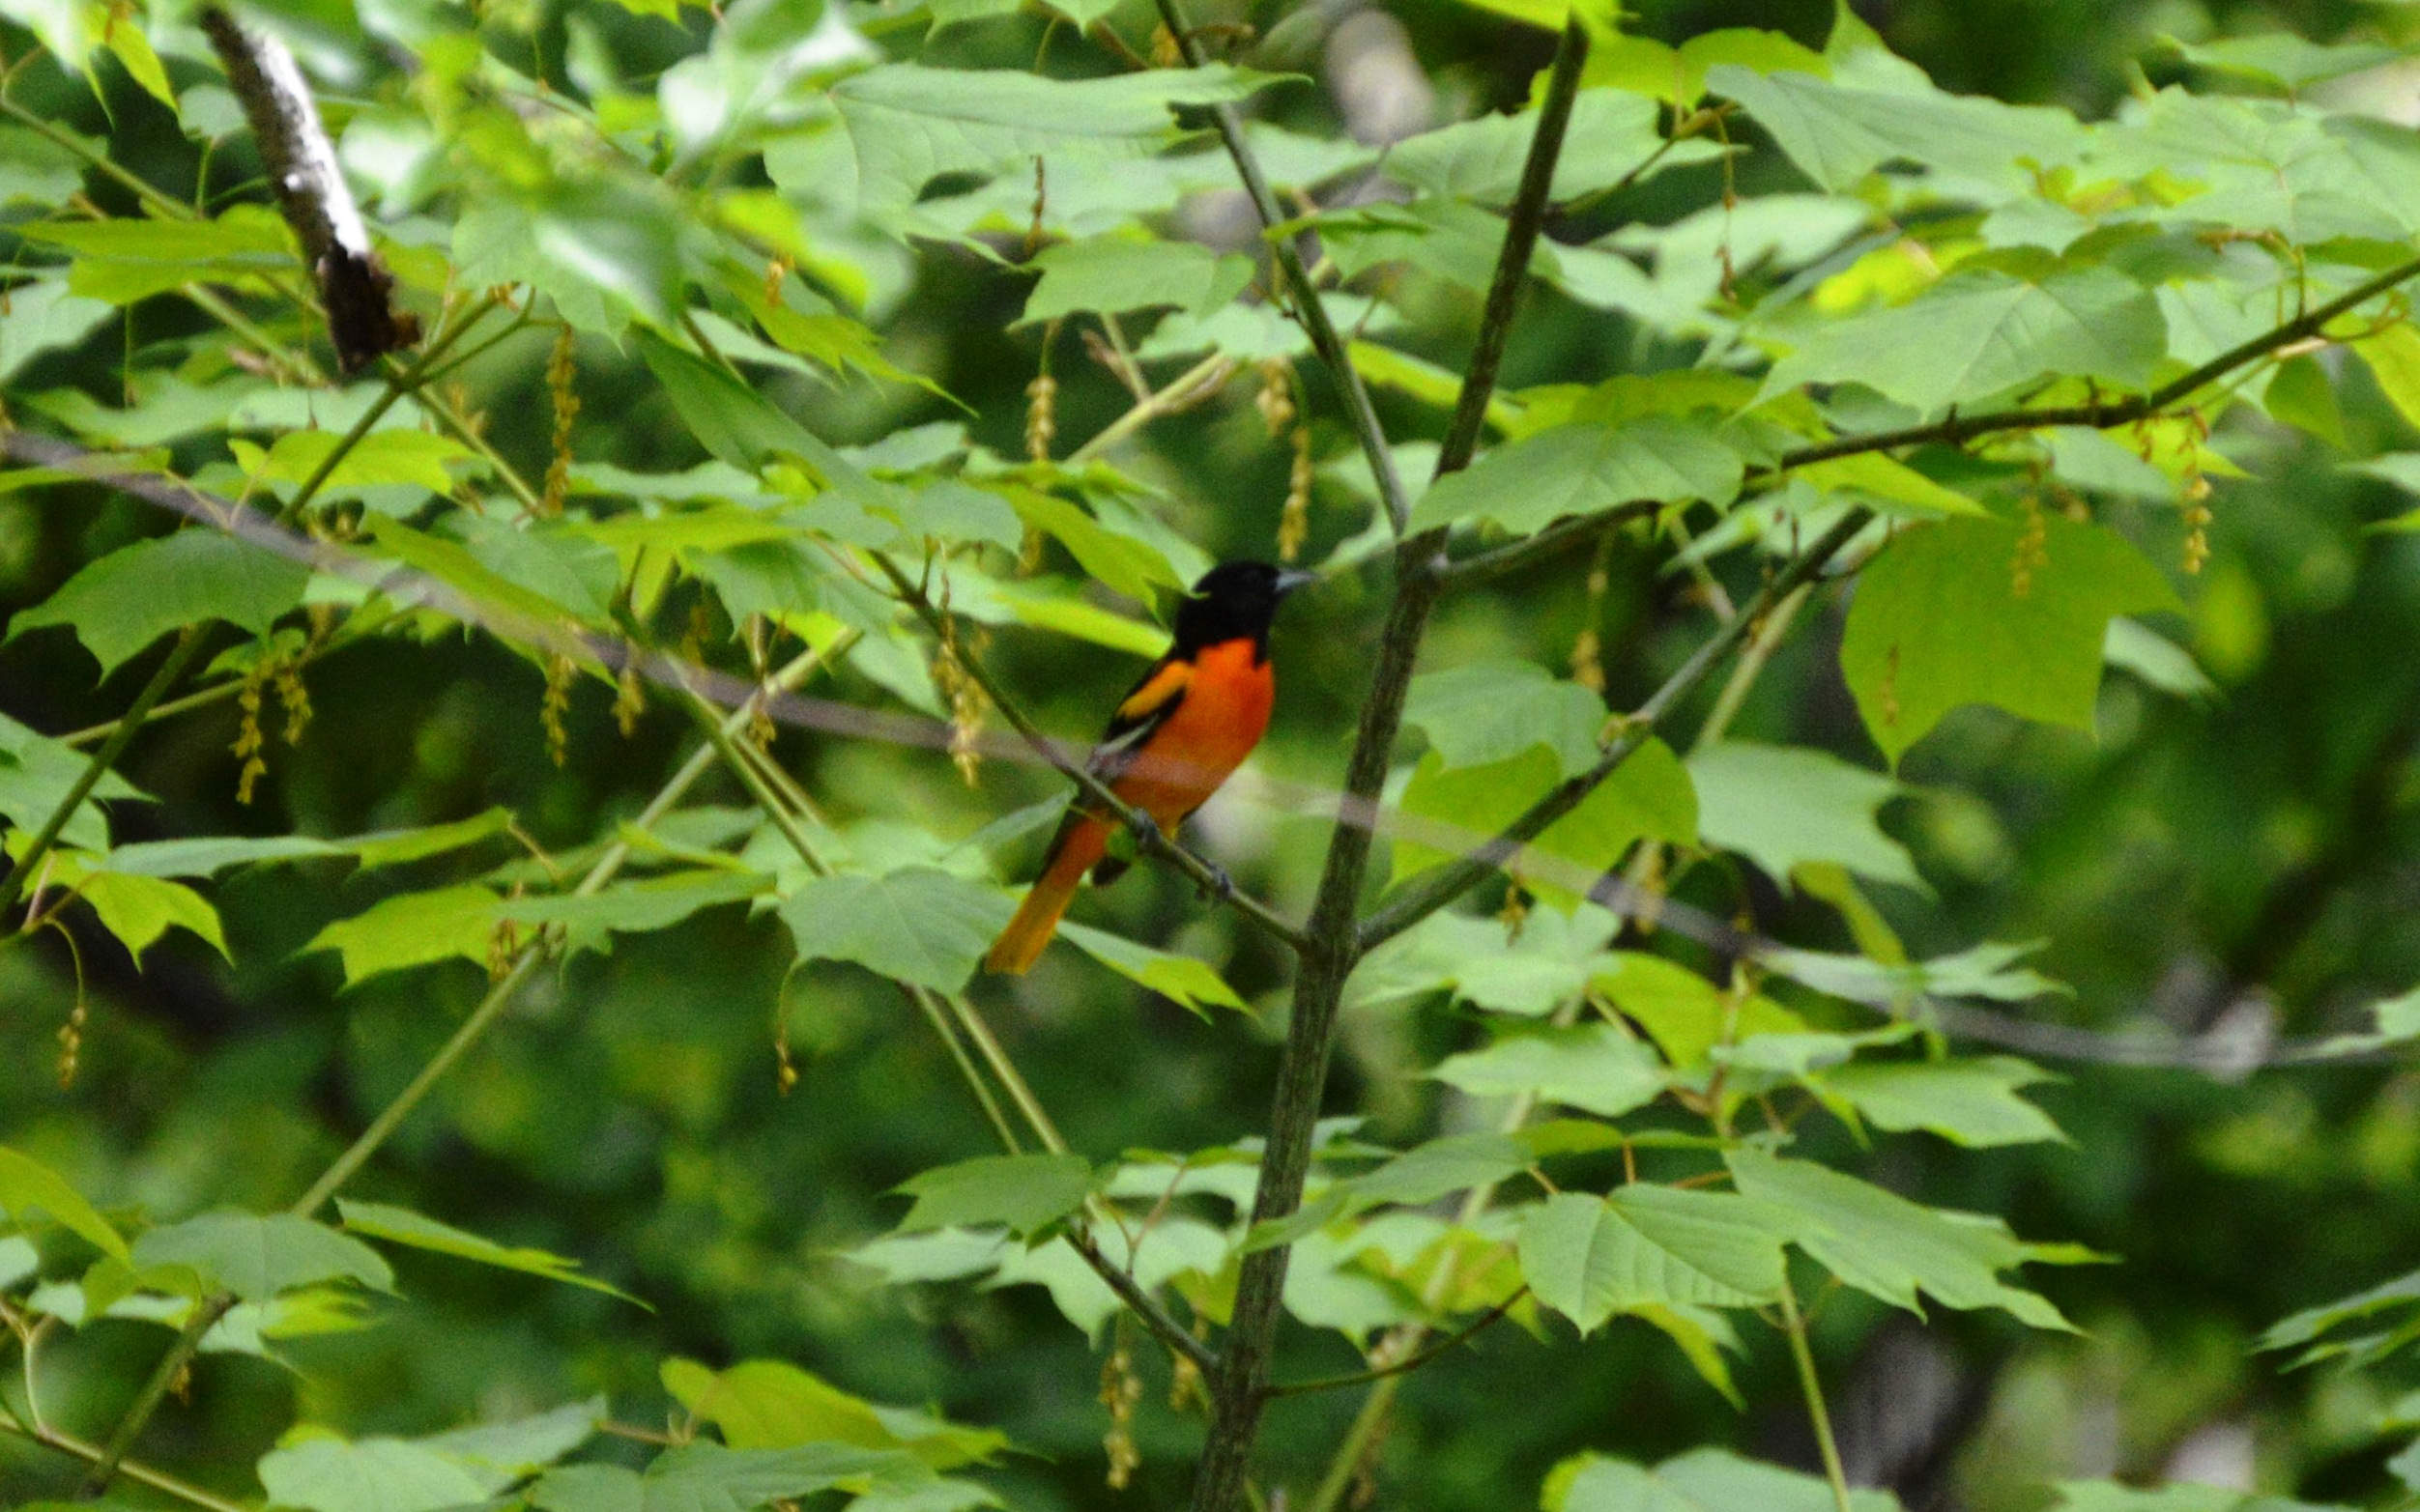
<point x="1938" y="590"/>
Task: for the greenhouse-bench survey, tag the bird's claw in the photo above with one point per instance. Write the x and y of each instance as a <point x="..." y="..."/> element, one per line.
<point x="1145" y="828"/>
<point x="1220" y="885"/>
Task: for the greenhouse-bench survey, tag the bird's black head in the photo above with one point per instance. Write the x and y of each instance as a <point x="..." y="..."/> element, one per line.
<point x="1234" y="601"/>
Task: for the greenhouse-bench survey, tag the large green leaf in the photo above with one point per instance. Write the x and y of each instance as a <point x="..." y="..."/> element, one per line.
<point x="1889" y="1247"/>
<point x="1949" y="614"/>
<point x="123" y="602"/>
<point x="28" y="1187"/>
<point x="1986" y="331"/>
<point x="366" y="1475"/>
<point x="1182" y="980"/>
<point x="1025" y="1193"/>
<point x="910" y="124"/>
<point x="920" y="926"/>
<point x="1594" y="1067"/>
<point x="769" y="1403"/>
<point x="413" y="929"/>
<point x="1837" y="134"/>
<point x="1611" y="132"/>
<point x="1785" y="805"/>
<point x="708" y="1477"/>
<point x="36" y="774"/>
<point x="1970" y="1102"/>
<point x="257" y="1256"/>
<point x="1702" y="1480"/>
<point x="1450" y="812"/>
<point x="417" y="1231"/>
<point x="1110" y="274"/>
<point x="1493" y="710"/>
<point x="1589" y="1258"/>
<point x="1585" y="467"/>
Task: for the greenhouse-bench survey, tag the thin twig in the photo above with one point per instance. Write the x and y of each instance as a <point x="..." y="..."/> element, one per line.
<point x="133" y="1469"/>
<point x="1410" y="1362"/>
<point x="1309" y="308"/>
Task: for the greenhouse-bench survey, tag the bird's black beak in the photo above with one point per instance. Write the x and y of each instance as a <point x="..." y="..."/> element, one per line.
<point x="1288" y="580"/>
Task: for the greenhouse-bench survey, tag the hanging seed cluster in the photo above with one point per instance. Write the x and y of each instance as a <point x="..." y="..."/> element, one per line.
<point x="555" y="705"/>
<point x="2033" y="553"/>
<point x="1120" y="1390"/>
<point x="560" y="372"/>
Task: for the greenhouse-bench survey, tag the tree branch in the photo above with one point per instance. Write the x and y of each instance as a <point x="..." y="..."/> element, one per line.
<point x="1150" y="839"/>
<point x="1238" y="1391"/>
<point x="1304" y="292"/>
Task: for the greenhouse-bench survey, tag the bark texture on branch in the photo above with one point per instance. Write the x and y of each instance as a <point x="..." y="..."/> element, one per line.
<point x="355" y="287"/>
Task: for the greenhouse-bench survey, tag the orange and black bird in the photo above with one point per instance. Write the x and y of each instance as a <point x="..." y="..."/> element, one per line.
<point x="1176" y="735"/>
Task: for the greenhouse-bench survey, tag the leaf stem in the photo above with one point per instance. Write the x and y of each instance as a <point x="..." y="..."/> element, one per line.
<point x="1410" y="1362"/>
<point x="133" y="1469"/>
<point x="1811" y="1386"/>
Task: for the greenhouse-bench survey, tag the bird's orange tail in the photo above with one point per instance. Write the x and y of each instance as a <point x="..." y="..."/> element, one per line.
<point x="1020" y="944"/>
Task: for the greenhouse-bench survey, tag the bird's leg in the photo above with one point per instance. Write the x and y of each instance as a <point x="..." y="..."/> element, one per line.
<point x="1147" y="833"/>
<point x="1221" y="886"/>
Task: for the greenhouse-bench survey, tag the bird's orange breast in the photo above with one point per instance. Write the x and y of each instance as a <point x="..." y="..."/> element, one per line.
<point x="1223" y="714"/>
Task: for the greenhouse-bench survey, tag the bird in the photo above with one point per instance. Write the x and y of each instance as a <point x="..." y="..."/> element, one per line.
<point x="1184" y="725"/>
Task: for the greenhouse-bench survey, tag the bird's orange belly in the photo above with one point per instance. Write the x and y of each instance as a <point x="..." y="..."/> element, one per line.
<point x="1224" y="712"/>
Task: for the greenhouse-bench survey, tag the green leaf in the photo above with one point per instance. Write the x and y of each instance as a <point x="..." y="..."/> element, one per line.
<point x="1610" y="134"/>
<point x="1594" y="1067"/>
<point x="43" y="315"/>
<point x="366" y="1475"/>
<point x="1182" y="980"/>
<point x="1586" y="467"/>
<point x="1026" y="1193"/>
<point x="1702" y="1480"/>
<point x="1783" y="806"/>
<point x="1454" y="1163"/>
<point x="657" y="902"/>
<point x="1982" y="331"/>
<point x="1530" y="973"/>
<point x="1939" y="621"/>
<point x="257" y="1257"/>
<point x="1684" y="1013"/>
<point x="123" y="602"/>
<point x="499" y="1454"/>
<point x="1837" y="134"/>
<point x="1987" y="971"/>
<point x="1969" y="1103"/>
<point x="417" y="458"/>
<point x="394" y="847"/>
<point x="1647" y="797"/>
<point x="403" y="1226"/>
<point x="125" y="260"/>
<point x="211" y="854"/>
<point x="1888" y="1247"/>
<point x="28" y="1187"/>
<point x="920" y="926"/>
<point x="1120" y="562"/>
<point x="708" y="1477"/>
<point x="1493" y="710"/>
<point x="1113" y="274"/>
<point x="2282" y="60"/>
<point x="910" y="124"/>
<point x="413" y="929"/>
<point x="766" y="1404"/>
<point x="140" y="909"/>
<point x="1589" y="1257"/>
<point x="522" y="610"/>
<point x="36" y="774"/>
